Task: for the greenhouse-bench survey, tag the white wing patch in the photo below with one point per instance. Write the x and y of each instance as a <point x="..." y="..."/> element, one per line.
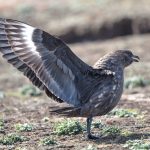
<point x="27" y="33"/>
<point x="65" y="69"/>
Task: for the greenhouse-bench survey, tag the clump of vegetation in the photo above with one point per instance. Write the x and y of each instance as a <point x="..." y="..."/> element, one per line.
<point x="136" y="81"/>
<point x="12" y="139"/>
<point x="25" y="8"/>
<point x="90" y="147"/>
<point x="98" y="124"/>
<point x="68" y="127"/>
<point x="123" y="113"/>
<point x="45" y="119"/>
<point x="24" y="127"/>
<point x="29" y="90"/>
<point x="126" y="133"/>
<point x="137" y="145"/>
<point x="111" y="131"/>
<point x="1" y="124"/>
<point x="2" y="95"/>
<point x="47" y="141"/>
<point x="21" y="148"/>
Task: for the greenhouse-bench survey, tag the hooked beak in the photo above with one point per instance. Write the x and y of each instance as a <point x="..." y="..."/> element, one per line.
<point x="135" y="58"/>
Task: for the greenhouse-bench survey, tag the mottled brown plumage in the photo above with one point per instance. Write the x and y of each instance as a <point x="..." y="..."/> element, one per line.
<point x="54" y="68"/>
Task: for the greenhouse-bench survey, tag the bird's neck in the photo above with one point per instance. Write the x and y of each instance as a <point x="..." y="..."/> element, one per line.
<point x="113" y="66"/>
<point x="109" y="64"/>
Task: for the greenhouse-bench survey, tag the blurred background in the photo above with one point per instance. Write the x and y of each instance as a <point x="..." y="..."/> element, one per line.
<point x="91" y="28"/>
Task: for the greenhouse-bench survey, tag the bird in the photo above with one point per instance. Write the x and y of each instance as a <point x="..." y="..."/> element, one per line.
<point x="50" y="65"/>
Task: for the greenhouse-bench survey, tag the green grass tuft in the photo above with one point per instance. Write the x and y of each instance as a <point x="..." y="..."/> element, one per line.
<point x="68" y="127"/>
<point x="29" y="90"/>
<point x="90" y="147"/>
<point x="98" y="124"/>
<point x="126" y="133"/>
<point x="24" y="127"/>
<point x="21" y="148"/>
<point x="111" y="131"/>
<point x="12" y="139"/>
<point x="123" y="113"/>
<point x="136" y="81"/>
<point x="46" y="119"/>
<point x="2" y="95"/>
<point x="137" y="145"/>
<point x="1" y="124"/>
<point x="47" y="141"/>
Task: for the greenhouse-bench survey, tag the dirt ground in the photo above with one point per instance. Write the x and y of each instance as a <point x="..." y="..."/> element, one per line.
<point x="15" y="108"/>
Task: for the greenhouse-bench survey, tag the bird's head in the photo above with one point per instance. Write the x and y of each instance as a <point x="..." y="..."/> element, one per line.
<point x="126" y="57"/>
<point x="119" y="57"/>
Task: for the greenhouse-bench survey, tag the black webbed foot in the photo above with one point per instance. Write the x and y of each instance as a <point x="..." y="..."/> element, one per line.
<point x="92" y="137"/>
<point x="89" y="135"/>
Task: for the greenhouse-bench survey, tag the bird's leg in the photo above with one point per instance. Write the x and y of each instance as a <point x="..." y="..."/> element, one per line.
<point x="89" y="123"/>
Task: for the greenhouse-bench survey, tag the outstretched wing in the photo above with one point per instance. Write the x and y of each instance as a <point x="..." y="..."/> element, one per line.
<point x="44" y="59"/>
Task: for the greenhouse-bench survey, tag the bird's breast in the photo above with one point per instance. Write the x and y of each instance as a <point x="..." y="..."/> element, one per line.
<point x="105" y="97"/>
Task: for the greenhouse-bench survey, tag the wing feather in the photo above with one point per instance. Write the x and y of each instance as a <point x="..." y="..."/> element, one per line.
<point x="44" y="59"/>
<point x="10" y="56"/>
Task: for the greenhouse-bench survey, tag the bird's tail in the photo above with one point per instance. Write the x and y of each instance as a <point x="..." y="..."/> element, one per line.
<point x="65" y="111"/>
